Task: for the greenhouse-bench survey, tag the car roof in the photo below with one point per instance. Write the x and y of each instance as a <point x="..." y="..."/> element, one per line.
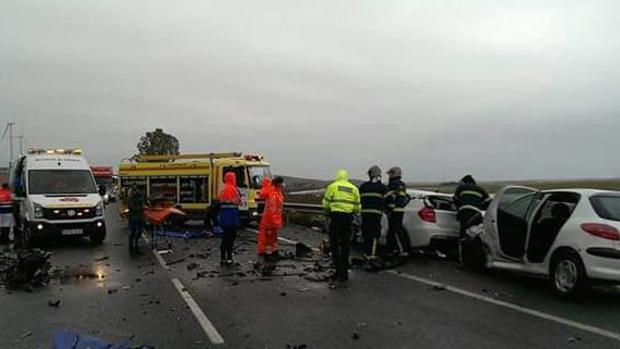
<point x="424" y="193"/>
<point x="56" y="161"/>
<point x="583" y="191"/>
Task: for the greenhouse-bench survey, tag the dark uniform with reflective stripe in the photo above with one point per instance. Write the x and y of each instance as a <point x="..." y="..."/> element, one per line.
<point x="396" y="200"/>
<point x="373" y="206"/>
<point x="470" y="200"/>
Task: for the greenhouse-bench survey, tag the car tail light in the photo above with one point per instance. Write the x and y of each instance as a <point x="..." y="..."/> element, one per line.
<point x="427" y="214"/>
<point x="601" y="230"/>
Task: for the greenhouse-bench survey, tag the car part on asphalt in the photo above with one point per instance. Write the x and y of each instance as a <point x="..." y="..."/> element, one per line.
<point x="25" y="268"/>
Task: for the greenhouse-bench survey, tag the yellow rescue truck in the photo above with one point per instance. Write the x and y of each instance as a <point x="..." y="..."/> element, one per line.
<point x="192" y="181"/>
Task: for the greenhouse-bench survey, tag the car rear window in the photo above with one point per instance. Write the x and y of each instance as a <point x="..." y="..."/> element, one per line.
<point x="607" y="207"/>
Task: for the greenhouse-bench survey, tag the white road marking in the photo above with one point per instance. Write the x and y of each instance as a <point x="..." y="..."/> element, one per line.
<point x="290" y="242"/>
<point x="203" y="320"/>
<point x="518" y="308"/>
<point x="157" y="255"/>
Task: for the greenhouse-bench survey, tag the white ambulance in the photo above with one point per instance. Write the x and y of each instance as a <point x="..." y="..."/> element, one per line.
<point x="57" y="196"/>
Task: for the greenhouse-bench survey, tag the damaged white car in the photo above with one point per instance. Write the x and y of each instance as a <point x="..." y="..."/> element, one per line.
<point x="569" y="236"/>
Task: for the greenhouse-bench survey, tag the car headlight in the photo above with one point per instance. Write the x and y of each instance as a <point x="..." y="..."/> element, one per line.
<point x="38" y="210"/>
<point x="99" y="209"/>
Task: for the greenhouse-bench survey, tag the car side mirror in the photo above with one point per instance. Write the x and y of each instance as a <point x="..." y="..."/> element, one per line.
<point x="102" y="190"/>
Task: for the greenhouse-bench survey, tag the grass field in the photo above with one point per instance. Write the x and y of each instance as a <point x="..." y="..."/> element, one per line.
<point x="491" y="187"/>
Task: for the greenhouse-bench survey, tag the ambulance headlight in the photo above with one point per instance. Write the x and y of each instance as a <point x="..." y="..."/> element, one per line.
<point x="38" y="210"/>
<point x="99" y="209"/>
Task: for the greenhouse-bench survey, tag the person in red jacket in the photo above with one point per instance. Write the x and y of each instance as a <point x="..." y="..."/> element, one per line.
<point x="262" y="196"/>
<point x="272" y="219"/>
<point x="230" y="199"/>
<point x="6" y="213"/>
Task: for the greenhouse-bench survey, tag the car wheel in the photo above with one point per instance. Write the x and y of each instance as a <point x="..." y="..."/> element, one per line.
<point x="568" y="276"/>
<point x="97" y="238"/>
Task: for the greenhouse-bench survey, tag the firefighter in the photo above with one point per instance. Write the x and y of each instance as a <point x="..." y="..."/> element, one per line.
<point x="271" y="221"/>
<point x="230" y="199"/>
<point x="6" y="213"/>
<point x="396" y="200"/>
<point x="470" y="200"/>
<point x="135" y="204"/>
<point x="372" y="195"/>
<point x="341" y="201"/>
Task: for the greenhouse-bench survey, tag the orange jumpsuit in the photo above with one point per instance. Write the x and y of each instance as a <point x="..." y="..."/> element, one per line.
<point x="266" y="187"/>
<point x="271" y="222"/>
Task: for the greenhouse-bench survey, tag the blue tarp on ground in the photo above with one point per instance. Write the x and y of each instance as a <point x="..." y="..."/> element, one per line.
<point x="184" y="234"/>
<point x="67" y="339"/>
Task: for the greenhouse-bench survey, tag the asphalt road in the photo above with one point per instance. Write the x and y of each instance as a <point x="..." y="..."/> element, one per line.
<point x="151" y="300"/>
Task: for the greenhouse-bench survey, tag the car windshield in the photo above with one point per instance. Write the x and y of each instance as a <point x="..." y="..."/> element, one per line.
<point x="258" y="173"/>
<point x="61" y="182"/>
<point x="607" y="207"/>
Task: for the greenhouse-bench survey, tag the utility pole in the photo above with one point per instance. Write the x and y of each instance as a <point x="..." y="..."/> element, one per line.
<point x="9" y="128"/>
<point x="21" y="144"/>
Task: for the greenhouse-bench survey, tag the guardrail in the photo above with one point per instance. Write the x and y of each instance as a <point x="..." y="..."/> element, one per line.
<point x="304" y="208"/>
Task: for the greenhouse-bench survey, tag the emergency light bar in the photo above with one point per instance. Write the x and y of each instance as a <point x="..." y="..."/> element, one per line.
<point x="50" y="151"/>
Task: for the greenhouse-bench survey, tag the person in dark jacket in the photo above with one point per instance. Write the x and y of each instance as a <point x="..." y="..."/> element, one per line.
<point x="470" y="200"/>
<point x="397" y="199"/>
<point x="135" y="204"/>
<point x="372" y="194"/>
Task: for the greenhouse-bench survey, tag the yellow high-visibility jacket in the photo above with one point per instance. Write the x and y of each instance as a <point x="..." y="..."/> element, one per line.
<point x="341" y="195"/>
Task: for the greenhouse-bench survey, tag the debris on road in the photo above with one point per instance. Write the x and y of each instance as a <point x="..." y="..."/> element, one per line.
<point x="439" y="287"/>
<point x="54" y="303"/>
<point x="26" y="335"/>
<point x="101" y="259"/>
<point x="302" y="250"/>
<point x="112" y="290"/>
<point x="574" y="339"/>
<point x="300" y="346"/>
<point x="355" y="336"/>
<point x="27" y="269"/>
<point x="192" y="266"/>
<point x="177" y="261"/>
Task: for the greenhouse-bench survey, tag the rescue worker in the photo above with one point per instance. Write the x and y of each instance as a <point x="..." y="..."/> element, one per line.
<point x="271" y="221"/>
<point x="6" y="213"/>
<point x="341" y="201"/>
<point x="261" y="198"/>
<point x="372" y="195"/>
<point x="230" y="199"/>
<point x="470" y="200"/>
<point x="135" y="204"/>
<point x="396" y="200"/>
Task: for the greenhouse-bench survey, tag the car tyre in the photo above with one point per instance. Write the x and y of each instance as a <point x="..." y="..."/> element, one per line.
<point x="568" y="275"/>
<point x="97" y="238"/>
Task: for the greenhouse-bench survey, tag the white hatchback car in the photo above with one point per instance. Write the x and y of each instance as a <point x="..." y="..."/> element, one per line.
<point x="429" y="219"/>
<point x="569" y="236"/>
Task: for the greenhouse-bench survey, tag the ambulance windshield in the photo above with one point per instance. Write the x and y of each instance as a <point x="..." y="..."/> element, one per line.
<point x="55" y="182"/>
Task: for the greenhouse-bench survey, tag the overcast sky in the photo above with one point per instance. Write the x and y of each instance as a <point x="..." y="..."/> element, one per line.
<point x="500" y="89"/>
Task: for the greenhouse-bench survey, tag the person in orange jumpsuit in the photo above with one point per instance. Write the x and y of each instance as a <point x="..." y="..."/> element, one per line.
<point x="266" y="188"/>
<point x="230" y="199"/>
<point x="272" y="219"/>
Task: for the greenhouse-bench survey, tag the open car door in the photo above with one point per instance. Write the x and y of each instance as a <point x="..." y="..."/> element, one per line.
<point x="506" y="222"/>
